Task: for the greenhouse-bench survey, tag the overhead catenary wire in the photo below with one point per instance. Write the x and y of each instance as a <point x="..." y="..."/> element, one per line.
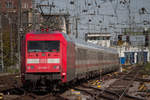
<point x="93" y="8"/>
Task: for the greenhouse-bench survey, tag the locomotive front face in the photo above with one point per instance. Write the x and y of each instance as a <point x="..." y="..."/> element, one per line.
<point x="44" y="53"/>
<point x="43" y="56"/>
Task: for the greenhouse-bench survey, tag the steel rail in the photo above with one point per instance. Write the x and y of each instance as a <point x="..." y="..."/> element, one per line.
<point x="131" y="82"/>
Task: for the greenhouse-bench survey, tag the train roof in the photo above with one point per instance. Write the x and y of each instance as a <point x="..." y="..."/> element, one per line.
<point x="89" y="45"/>
<point x="79" y="42"/>
<point x="94" y="46"/>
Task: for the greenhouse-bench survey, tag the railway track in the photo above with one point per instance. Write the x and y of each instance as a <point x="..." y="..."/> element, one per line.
<point x="25" y="95"/>
<point x="9" y="81"/>
<point x="31" y="96"/>
<point x="122" y="85"/>
<point x="117" y="90"/>
<point x="97" y="94"/>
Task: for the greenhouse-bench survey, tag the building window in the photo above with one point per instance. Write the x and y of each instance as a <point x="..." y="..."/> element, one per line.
<point x="25" y="5"/>
<point x="9" y="4"/>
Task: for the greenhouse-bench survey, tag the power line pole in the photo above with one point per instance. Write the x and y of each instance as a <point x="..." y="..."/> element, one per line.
<point x="19" y="29"/>
<point x="129" y="11"/>
<point x="1" y="43"/>
<point x="76" y="27"/>
<point x="33" y="15"/>
<point x="11" y="40"/>
<point x="77" y="18"/>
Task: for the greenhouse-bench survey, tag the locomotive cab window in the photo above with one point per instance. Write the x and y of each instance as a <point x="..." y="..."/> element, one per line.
<point x="43" y="46"/>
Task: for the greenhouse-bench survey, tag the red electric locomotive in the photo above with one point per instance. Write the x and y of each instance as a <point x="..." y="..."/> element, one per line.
<point x="52" y="57"/>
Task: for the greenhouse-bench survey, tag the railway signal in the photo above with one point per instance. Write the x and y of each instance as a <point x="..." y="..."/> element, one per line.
<point x="120" y="42"/>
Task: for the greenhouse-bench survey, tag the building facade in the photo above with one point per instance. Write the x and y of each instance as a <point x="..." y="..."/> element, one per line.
<point x="13" y="5"/>
<point x="102" y="39"/>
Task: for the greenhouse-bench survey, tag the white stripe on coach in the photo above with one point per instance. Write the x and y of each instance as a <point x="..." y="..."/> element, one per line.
<point x="53" y="60"/>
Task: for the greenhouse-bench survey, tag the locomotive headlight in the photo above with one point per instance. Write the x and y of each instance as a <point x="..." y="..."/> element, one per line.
<point x="32" y="67"/>
<point x="56" y="67"/>
<point x="28" y="67"/>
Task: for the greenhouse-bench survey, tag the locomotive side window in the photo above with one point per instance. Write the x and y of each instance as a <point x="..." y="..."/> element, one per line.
<point x="43" y="46"/>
